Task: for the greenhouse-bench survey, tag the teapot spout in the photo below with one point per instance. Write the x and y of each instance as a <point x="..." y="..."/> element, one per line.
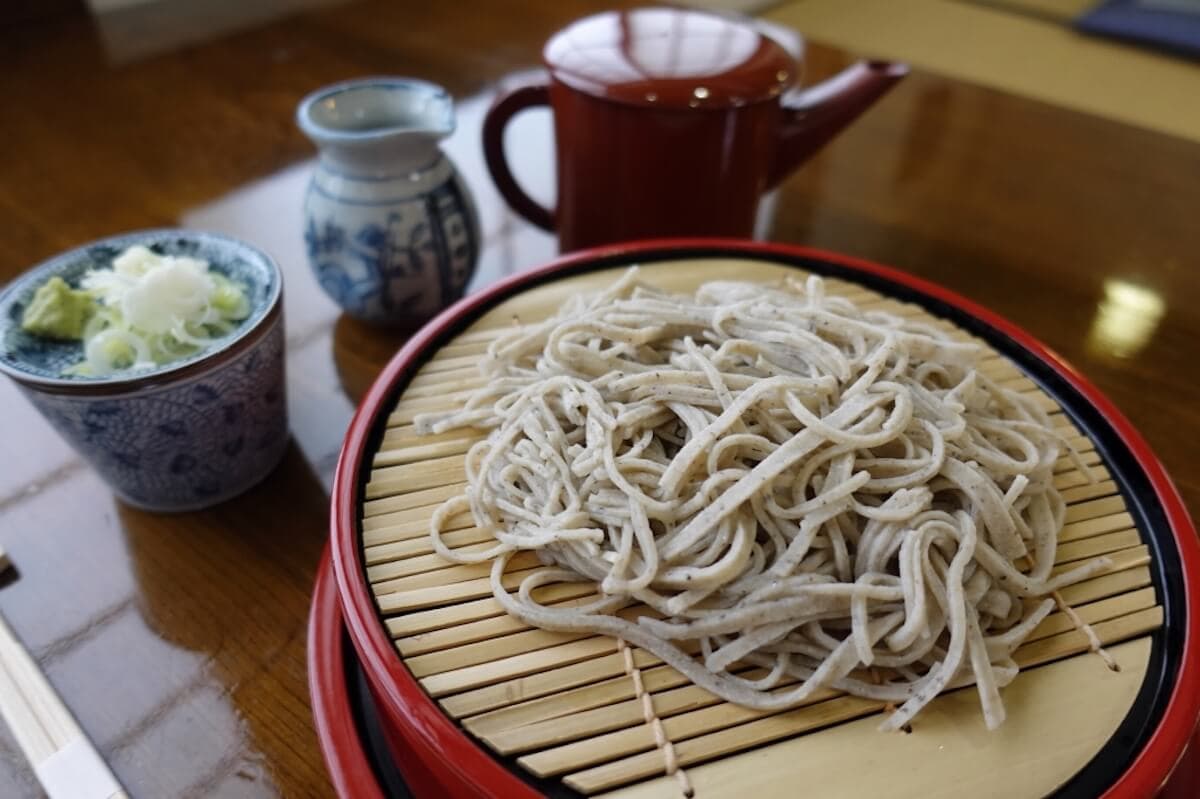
<point x="814" y="116"/>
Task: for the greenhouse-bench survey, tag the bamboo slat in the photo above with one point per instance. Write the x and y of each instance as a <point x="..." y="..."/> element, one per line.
<point x="518" y="665"/>
<point x="454" y="593"/>
<point x="470" y="632"/>
<point x="465" y="612"/>
<point x="418" y="547"/>
<point x="575" y="700"/>
<point x="546" y="683"/>
<point x="455" y="574"/>
<point x="429" y="498"/>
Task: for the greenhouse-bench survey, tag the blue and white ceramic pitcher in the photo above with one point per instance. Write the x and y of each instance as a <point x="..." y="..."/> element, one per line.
<point x="392" y="232"/>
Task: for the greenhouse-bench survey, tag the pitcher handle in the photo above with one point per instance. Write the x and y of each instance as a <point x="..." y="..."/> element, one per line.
<point x="497" y="119"/>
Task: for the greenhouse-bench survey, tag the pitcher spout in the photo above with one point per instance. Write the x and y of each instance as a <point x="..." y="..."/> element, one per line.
<point x="377" y="125"/>
<point x="815" y="115"/>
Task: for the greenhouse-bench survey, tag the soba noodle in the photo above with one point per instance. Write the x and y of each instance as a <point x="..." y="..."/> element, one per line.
<point x="795" y="494"/>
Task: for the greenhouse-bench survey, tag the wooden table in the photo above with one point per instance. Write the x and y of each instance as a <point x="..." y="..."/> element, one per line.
<point x="178" y="641"/>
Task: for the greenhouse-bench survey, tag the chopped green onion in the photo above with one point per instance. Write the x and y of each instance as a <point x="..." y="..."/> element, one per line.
<point x="153" y="309"/>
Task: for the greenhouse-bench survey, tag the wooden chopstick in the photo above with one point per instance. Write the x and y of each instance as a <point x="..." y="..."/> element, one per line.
<point x="64" y="760"/>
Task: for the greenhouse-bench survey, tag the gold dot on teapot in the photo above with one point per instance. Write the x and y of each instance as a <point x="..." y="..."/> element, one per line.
<point x="781" y="75"/>
<point x="700" y="93"/>
<point x="651" y="97"/>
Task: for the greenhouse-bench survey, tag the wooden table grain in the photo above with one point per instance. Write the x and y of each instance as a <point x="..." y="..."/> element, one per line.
<point x="178" y="640"/>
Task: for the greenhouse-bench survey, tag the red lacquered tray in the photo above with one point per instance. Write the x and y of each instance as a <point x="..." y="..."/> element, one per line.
<point x="1152" y="741"/>
<point x="337" y="732"/>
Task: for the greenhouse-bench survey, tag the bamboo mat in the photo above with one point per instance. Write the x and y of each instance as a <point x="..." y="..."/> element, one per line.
<point x="564" y="705"/>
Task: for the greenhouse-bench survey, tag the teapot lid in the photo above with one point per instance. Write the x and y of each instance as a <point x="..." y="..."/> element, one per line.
<point x="670" y="57"/>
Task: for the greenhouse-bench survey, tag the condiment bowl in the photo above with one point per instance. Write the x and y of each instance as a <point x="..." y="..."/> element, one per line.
<point x="181" y="436"/>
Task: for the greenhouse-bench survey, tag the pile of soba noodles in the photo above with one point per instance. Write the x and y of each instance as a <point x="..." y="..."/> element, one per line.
<point x="803" y="495"/>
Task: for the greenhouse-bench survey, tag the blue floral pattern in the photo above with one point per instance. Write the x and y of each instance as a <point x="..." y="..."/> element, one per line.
<point x="399" y="257"/>
<point x="190" y="443"/>
<point x="181" y="436"/>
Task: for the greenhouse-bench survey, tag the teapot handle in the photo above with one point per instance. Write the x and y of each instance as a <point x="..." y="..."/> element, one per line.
<point x="497" y="119"/>
<point x="813" y="116"/>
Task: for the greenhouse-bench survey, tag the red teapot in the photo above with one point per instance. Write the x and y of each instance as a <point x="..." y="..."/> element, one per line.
<point x="673" y="122"/>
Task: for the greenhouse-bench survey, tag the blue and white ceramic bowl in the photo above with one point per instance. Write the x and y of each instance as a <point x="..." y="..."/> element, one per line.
<point x="186" y="435"/>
